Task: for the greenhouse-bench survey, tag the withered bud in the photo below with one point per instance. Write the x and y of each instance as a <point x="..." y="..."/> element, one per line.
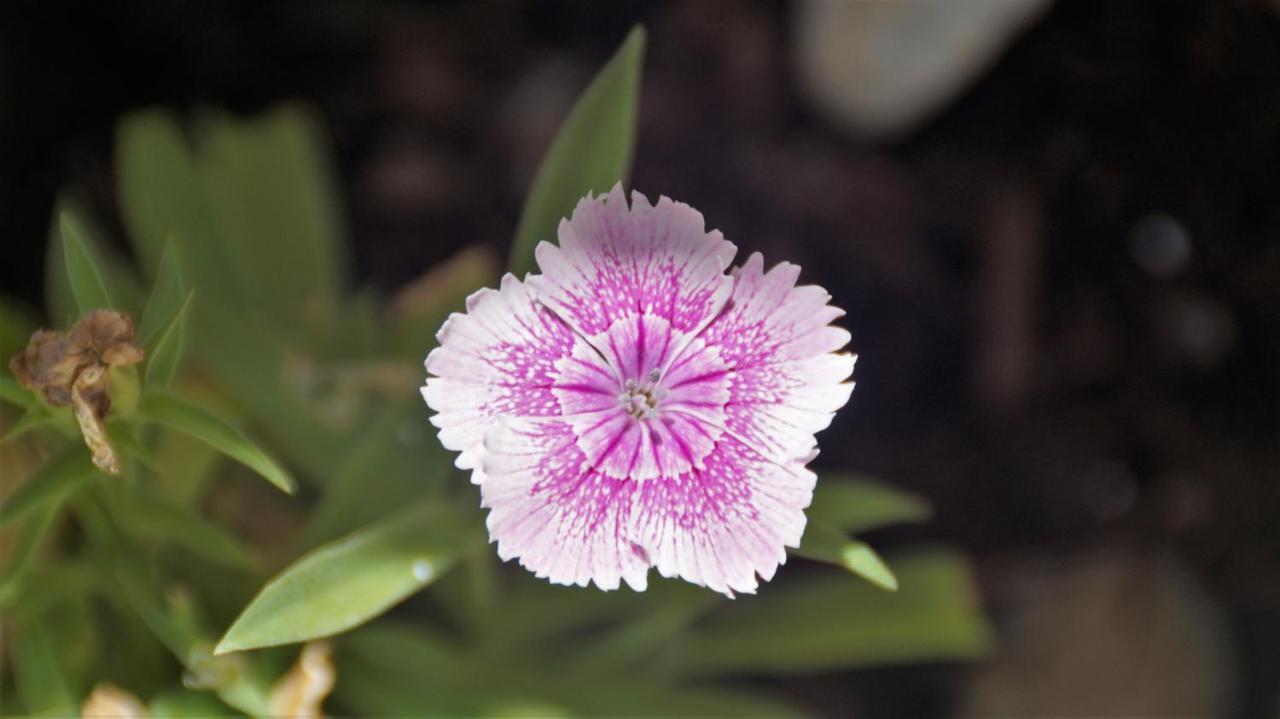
<point x="302" y="690"/>
<point x="71" y="368"/>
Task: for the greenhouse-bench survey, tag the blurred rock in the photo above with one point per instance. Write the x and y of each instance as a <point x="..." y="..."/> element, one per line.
<point x="885" y="67"/>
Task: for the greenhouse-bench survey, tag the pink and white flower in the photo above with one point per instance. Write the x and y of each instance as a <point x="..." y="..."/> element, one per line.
<point x="634" y="406"/>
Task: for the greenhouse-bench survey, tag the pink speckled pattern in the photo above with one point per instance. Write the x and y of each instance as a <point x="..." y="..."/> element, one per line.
<point x="638" y="405"/>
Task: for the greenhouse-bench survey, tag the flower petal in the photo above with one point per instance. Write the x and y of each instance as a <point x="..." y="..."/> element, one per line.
<point x="787" y="382"/>
<point x="613" y="262"/>
<point x="500" y="359"/>
<point x="719" y="526"/>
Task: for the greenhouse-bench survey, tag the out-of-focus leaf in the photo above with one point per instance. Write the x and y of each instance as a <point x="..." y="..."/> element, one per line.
<point x="379" y="474"/>
<point x="620" y="697"/>
<point x="273" y="189"/>
<point x="168" y="293"/>
<point x="58" y="476"/>
<point x="837" y="621"/>
<point x="157" y="516"/>
<point x="36" y="416"/>
<point x="122" y="437"/>
<point x="184" y="416"/>
<point x="250" y="362"/>
<point x="41" y="681"/>
<point x="83" y="268"/>
<point x="14" y="393"/>
<point x="824" y="543"/>
<point x="166" y="356"/>
<point x="182" y="704"/>
<point x="371" y="690"/>
<point x="390" y="645"/>
<point x="29" y="538"/>
<point x="162" y="197"/>
<point x="591" y="152"/>
<point x="16" y="326"/>
<point x="116" y="275"/>
<point x="856" y="504"/>
<point x="59" y="302"/>
<point x="349" y="581"/>
<point x="420" y="308"/>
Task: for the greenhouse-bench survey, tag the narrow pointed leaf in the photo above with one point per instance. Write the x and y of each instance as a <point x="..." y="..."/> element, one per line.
<point x="347" y="582"/>
<point x="824" y="543"/>
<point x="166" y="356"/>
<point x="58" y="475"/>
<point x="856" y="504"/>
<point x="591" y="152"/>
<point x="184" y="416"/>
<point x="167" y="295"/>
<point x="84" y="269"/>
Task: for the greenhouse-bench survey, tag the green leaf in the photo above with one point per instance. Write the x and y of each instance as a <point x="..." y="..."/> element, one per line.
<point x="856" y="504"/>
<point x="349" y="581"/>
<point x="162" y="198"/>
<point x="273" y="188"/>
<point x="59" y="475"/>
<point x="824" y="543"/>
<point x="16" y="327"/>
<point x="84" y="269"/>
<point x="179" y="414"/>
<point x="153" y="514"/>
<point x="126" y="443"/>
<point x="391" y="645"/>
<point x="836" y="622"/>
<point x="15" y="394"/>
<point x="36" y="416"/>
<point x="41" y="681"/>
<point x="166" y="357"/>
<point x="379" y="473"/>
<point x="182" y="704"/>
<point x="252" y="364"/>
<point x="29" y="538"/>
<point x="167" y="295"/>
<point x="591" y="152"/>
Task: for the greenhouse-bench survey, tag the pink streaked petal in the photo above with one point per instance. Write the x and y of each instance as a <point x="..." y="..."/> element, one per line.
<point x="585" y="382"/>
<point x="563" y="522"/>
<point x="638" y="344"/>
<point x="724" y="525"/>
<point x="719" y="527"/>
<point x="614" y="261"/>
<point x="499" y="359"/>
<point x="787" y="383"/>
<point x="697" y="382"/>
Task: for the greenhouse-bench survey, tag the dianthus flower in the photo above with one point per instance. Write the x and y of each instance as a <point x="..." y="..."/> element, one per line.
<point x="634" y="406"/>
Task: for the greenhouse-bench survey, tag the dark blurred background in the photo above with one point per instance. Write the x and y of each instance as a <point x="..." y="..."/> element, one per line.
<point x="1055" y="228"/>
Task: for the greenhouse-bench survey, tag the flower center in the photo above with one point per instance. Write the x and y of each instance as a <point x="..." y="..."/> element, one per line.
<point x="640" y="398"/>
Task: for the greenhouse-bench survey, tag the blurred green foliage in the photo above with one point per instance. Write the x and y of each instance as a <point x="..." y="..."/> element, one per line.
<point x="251" y="329"/>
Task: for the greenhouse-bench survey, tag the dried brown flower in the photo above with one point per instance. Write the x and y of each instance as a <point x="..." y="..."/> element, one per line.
<point x="71" y="368"/>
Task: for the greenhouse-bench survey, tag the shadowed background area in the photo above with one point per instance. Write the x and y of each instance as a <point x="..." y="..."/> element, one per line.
<point x="1055" y="230"/>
